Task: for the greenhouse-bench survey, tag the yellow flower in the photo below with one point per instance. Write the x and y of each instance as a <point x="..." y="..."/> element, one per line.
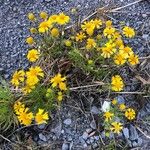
<point x="108" y="116"/>
<point x="31" y="17"/>
<point x="108" y="50"/>
<point x="97" y="23"/>
<point x="44" y="26"/>
<point x="17" y="106"/>
<point x="25" y="117"/>
<point x="117" y="83"/>
<point x="109" y="32"/>
<point x="53" y="18"/>
<point x="119" y="42"/>
<point x="122" y="106"/>
<point x="30" y="40"/>
<point x="128" y="32"/>
<point x="33" y="74"/>
<point x="108" y="23"/>
<point x="18" y="77"/>
<point x="133" y="59"/>
<point x="114" y="101"/>
<point x="28" y="88"/>
<point x="33" y="55"/>
<point x="68" y="43"/>
<point x="88" y="27"/>
<point x="35" y="71"/>
<point x="41" y="117"/>
<point x="119" y="58"/>
<point x="116" y="127"/>
<point x="126" y="51"/>
<point x="33" y="30"/>
<point x="90" y="43"/>
<point x="43" y="15"/>
<point x="55" y="32"/>
<point x="130" y="114"/>
<point x="98" y="37"/>
<point x="116" y="35"/>
<point x="31" y="81"/>
<point x="60" y="96"/>
<point x="57" y="79"/>
<point x="80" y="36"/>
<point x="62" y="19"/>
<point x="62" y="86"/>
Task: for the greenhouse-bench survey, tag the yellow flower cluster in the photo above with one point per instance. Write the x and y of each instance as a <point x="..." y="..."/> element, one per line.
<point x="113" y="47"/>
<point x="117" y="110"/>
<point x="60" y="19"/>
<point x="28" y="79"/>
<point x="25" y="117"/>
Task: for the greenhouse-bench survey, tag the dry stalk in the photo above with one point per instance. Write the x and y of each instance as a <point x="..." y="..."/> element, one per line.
<point x="87" y="86"/>
<point x="139" y="129"/>
<point x="130" y="4"/>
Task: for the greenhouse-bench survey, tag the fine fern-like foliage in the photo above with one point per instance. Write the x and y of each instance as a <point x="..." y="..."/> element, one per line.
<point x="6" y="102"/>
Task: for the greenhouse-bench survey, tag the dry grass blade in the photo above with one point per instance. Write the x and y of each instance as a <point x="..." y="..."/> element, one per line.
<point x="87" y="86"/>
<point x="139" y="129"/>
<point x="130" y="4"/>
<point x="143" y="80"/>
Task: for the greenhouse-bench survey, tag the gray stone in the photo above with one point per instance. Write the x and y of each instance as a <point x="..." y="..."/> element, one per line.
<point x="47" y="0"/>
<point x="145" y="36"/>
<point x="57" y="130"/>
<point x="42" y="137"/>
<point x="88" y="141"/>
<point x="67" y="121"/>
<point x="120" y="100"/>
<point x="65" y="146"/>
<point x="89" y="130"/>
<point x="126" y="132"/>
<point x="41" y="126"/>
<point x="62" y="131"/>
<point x="85" y="135"/>
<point x="95" y="145"/>
<point x="95" y="110"/>
<point x="91" y="139"/>
<point x="144" y="15"/>
<point x="85" y="145"/>
<point x="134" y="144"/>
<point x="140" y="141"/>
<point x="96" y="138"/>
<point x="133" y="133"/>
<point x="93" y="124"/>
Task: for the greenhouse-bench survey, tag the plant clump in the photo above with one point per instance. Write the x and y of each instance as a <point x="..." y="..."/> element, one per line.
<point x="96" y="47"/>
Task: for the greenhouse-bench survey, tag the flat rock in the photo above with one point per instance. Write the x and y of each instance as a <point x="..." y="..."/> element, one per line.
<point x="67" y="121"/>
<point x="133" y="133"/>
<point x="65" y="146"/>
<point x="42" y="137"/>
<point x="95" y="110"/>
<point x="126" y="132"/>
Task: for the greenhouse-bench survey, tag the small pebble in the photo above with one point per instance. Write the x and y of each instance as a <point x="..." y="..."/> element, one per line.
<point x="67" y="122"/>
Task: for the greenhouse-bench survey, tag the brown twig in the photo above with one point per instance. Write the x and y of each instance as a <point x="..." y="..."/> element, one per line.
<point x="130" y="92"/>
<point x="139" y="129"/>
<point x="87" y="86"/>
<point x="130" y="4"/>
<point x="147" y="57"/>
